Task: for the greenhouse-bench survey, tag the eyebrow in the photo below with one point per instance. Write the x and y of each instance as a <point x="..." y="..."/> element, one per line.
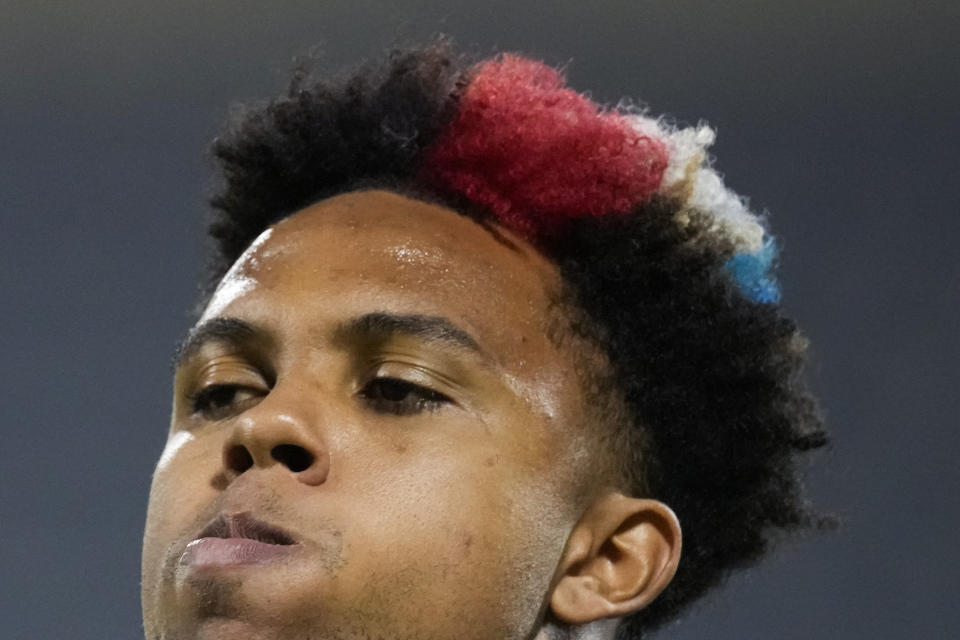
<point x="231" y="330"/>
<point x="426" y="328"/>
<point x="378" y="325"/>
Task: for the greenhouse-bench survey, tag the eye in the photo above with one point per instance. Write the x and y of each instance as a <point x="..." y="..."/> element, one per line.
<point x="219" y="401"/>
<point x="402" y="398"/>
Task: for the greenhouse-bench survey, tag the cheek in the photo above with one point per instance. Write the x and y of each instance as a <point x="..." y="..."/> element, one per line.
<point x="464" y="528"/>
<point x="175" y="443"/>
<point x="180" y="490"/>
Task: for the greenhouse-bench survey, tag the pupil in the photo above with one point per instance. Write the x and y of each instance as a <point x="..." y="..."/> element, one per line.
<point x="393" y="390"/>
<point x="221" y="396"/>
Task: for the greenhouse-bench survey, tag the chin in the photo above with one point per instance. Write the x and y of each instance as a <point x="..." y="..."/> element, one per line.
<point x="233" y="629"/>
<point x="229" y="628"/>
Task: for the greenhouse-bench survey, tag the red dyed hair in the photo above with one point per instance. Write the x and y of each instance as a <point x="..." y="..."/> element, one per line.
<point x="537" y="153"/>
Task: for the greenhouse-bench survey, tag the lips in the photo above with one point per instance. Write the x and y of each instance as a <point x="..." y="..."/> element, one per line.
<point x="238" y="540"/>
<point x="243" y="525"/>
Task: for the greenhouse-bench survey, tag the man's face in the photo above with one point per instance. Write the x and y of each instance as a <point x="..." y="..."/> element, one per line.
<point x="372" y="437"/>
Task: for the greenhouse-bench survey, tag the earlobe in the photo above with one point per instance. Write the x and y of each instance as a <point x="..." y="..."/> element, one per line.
<point x="622" y="553"/>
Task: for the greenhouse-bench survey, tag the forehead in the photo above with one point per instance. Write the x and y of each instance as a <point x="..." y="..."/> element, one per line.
<point x="379" y="251"/>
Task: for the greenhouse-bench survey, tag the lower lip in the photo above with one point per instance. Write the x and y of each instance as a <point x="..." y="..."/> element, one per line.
<point x="226" y="552"/>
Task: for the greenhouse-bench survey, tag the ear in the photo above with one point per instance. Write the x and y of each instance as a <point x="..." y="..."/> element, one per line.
<point x="621" y="554"/>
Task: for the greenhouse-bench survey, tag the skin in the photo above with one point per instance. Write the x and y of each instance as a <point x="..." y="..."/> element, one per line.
<point x="454" y="503"/>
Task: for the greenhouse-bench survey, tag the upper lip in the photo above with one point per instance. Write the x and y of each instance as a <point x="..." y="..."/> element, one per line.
<point x="244" y="525"/>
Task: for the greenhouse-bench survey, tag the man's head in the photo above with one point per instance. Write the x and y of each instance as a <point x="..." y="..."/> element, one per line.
<point x="424" y="402"/>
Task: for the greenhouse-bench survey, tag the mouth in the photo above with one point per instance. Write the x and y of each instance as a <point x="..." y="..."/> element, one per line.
<point x="237" y="540"/>
<point x="245" y="526"/>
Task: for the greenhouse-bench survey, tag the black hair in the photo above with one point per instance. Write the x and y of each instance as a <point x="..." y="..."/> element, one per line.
<point x="711" y="381"/>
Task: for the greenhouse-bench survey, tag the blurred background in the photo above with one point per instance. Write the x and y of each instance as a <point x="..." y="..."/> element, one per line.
<point x="838" y="117"/>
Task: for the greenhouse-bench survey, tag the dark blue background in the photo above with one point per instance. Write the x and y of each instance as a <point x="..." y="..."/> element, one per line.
<point x="839" y="117"/>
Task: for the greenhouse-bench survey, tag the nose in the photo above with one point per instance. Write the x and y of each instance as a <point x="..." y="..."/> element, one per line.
<point x="275" y="433"/>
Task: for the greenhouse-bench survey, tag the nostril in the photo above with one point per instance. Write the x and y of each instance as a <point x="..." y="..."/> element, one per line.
<point x="238" y="459"/>
<point x="291" y="456"/>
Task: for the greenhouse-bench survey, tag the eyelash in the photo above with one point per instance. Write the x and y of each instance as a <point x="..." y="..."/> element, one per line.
<point x="384" y="395"/>
<point x="424" y="399"/>
<point x="216" y="401"/>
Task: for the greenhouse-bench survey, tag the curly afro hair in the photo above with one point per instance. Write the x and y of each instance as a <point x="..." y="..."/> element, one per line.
<point x="665" y="270"/>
